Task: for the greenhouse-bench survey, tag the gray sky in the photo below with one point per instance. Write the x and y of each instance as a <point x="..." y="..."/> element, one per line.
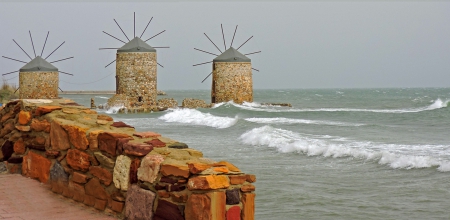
<point x="304" y="44"/>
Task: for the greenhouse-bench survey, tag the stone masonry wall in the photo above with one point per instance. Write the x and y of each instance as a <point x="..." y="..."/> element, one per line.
<point x="232" y="81"/>
<point x="91" y="159"/>
<point x="38" y="85"/>
<point x="136" y="77"/>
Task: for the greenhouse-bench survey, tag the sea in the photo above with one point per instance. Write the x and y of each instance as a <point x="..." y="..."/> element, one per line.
<point x="335" y="154"/>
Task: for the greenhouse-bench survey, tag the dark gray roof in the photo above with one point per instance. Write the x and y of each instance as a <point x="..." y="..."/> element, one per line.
<point x="136" y="45"/>
<point x="38" y="64"/>
<point x="232" y="55"/>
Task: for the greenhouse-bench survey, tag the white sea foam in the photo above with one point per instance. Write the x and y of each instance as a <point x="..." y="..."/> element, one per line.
<point x="195" y="117"/>
<point x="395" y="156"/>
<point x="298" y="121"/>
<point x="114" y="109"/>
<point x="101" y="97"/>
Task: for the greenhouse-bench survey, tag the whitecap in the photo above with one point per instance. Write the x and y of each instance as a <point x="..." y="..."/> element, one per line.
<point x="298" y="121"/>
<point x="195" y="117"/>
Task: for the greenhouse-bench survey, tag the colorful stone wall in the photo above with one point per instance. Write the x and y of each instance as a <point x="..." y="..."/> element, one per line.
<point x="136" y="78"/>
<point x="232" y="81"/>
<point x="38" y="85"/>
<point x="91" y="159"/>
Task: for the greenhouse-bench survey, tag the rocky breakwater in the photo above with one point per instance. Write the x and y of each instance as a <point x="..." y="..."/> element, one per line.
<point x="194" y="103"/>
<point x="91" y="159"/>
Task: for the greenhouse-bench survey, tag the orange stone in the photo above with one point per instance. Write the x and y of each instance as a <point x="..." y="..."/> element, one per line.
<point x="42" y="110"/>
<point x="196" y="168"/>
<point x="175" y="170"/>
<point x="251" y="178"/>
<point x="78" y="160"/>
<point x="19" y="147"/>
<point x="90" y="112"/>
<point x="104" y="117"/>
<point x="230" y="166"/>
<point x="36" y="166"/>
<point x="234" y="213"/>
<point x="248" y="188"/>
<point x="146" y="134"/>
<point x="237" y="179"/>
<point x="102" y="174"/>
<point x="59" y="139"/>
<point x="38" y="126"/>
<point x="208" y="182"/>
<point x="79" y="178"/>
<point x="208" y="206"/>
<point x="77" y="136"/>
<point x="24" y="117"/>
<point x="221" y="169"/>
<point x="248" y="206"/>
<point x="93" y="141"/>
<point x="23" y="128"/>
<point x="163" y="194"/>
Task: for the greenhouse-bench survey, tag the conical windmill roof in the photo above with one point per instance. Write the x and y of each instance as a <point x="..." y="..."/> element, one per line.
<point x="136" y="45"/>
<point x="232" y="55"/>
<point x="38" y="64"/>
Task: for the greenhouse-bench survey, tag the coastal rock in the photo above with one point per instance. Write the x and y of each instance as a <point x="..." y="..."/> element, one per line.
<point x="149" y="169"/>
<point x="19" y="147"/>
<point x="208" y="182"/>
<point x="230" y="166"/>
<point x="78" y="160"/>
<point x="233" y="197"/>
<point x="77" y="136"/>
<point x="167" y="103"/>
<point x="104" y="160"/>
<point x="248" y="188"/>
<point x="36" y="166"/>
<point x="194" y="103"/>
<point x="120" y="124"/>
<point x="178" y="145"/>
<point x="39" y="126"/>
<point x="248" y="206"/>
<point x="107" y="142"/>
<point x="24" y="117"/>
<point x="156" y="143"/>
<point x="42" y="110"/>
<point x="104" y="117"/>
<point x="237" y="179"/>
<point x="102" y="174"/>
<point x="57" y="173"/>
<point x="94" y="188"/>
<point x="234" y="213"/>
<point x="134" y="169"/>
<point x="175" y="170"/>
<point x="250" y="178"/>
<point x="196" y="168"/>
<point x="139" y="203"/>
<point x="137" y="149"/>
<point x="206" y="206"/>
<point x="121" y="176"/>
<point x="59" y="140"/>
<point x="146" y="134"/>
<point x="23" y="128"/>
<point x="71" y="111"/>
<point x="168" y="211"/>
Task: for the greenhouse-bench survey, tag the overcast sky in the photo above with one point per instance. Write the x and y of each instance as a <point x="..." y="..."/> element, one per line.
<point x="304" y="44"/>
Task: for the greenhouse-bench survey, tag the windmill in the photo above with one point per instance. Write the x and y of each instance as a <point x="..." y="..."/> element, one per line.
<point x="38" y="79"/>
<point x="136" y="70"/>
<point x="231" y="74"/>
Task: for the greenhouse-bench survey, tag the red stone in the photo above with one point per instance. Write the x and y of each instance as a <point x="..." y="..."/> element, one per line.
<point x="102" y="174"/>
<point x="52" y="154"/>
<point x="36" y="166"/>
<point x="250" y="178"/>
<point x="41" y="110"/>
<point x="117" y="206"/>
<point x="135" y="163"/>
<point x="156" y="143"/>
<point x="237" y="179"/>
<point x="79" y="178"/>
<point x="107" y="142"/>
<point x="120" y="124"/>
<point x="77" y="187"/>
<point x="77" y="196"/>
<point x="94" y="188"/>
<point x="248" y="206"/>
<point x="208" y="182"/>
<point x="146" y="134"/>
<point x="7" y="116"/>
<point x="137" y="149"/>
<point x="19" y="147"/>
<point x="38" y="126"/>
<point x="247" y="188"/>
<point x="168" y="210"/>
<point x="77" y="136"/>
<point x="59" y="140"/>
<point x="89" y="200"/>
<point x="39" y="140"/>
<point x="196" y="168"/>
<point x="205" y="206"/>
<point x="234" y="213"/>
<point x="24" y="117"/>
<point x="78" y="160"/>
<point x="180" y="197"/>
<point x="100" y="204"/>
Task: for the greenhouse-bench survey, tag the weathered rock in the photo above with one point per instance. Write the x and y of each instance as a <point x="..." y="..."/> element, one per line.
<point x="7" y="116"/>
<point x="178" y="145"/>
<point x="205" y="206"/>
<point x="146" y="134"/>
<point x="104" y="117"/>
<point x="248" y="188"/>
<point x="39" y="126"/>
<point x="121" y="176"/>
<point x="93" y="141"/>
<point x="79" y="178"/>
<point x="102" y="122"/>
<point x="139" y="203"/>
<point x="77" y="136"/>
<point x="180" y="197"/>
<point x="19" y="147"/>
<point x="237" y="179"/>
<point x="59" y="140"/>
<point x="89" y="200"/>
<point x="137" y="149"/>
<point x="175" y="170"/>
<point x="230" y="166"/>
<point x="89" y="111"/>
<point x="165" y="179"/>
<point x="104" y="160"/>
<point x="163" y="194"/>
<point x="24" y="117"/>
<point x="196" y="168"/>
<point x="120" y="124"/>
<point x="3" y="168"/>
<point x="168" y="211"/>
<point x="248" y="206"/>
<point x="23" y="128"/>
<point x="7" y="149"/>
<point x="135" y="163"/>
<point x="233" y="197"/>
<point x="39" y="140"/>
<point x="42" y="110"/>
<point x="57" y="173"/>
<point x="107" y="142"/>
<point x="168" y="103"/>
<point x="156" y="143"/>
<point x="78" y="160"/>
<point x="71" y="111"/>
<point x="149" y="169"/>
<point x="117" y="206"/>
<point x="7" y="128"/>
<point x="208" y="182"/>
<point x="194" y="103"/>
<point x="94" y="188"/>
<point x="234" y="213"/>
<point x="194" y="153"/>
<point x="102" y="174"/>
<point x="36" y="166"/>
<point x="52" y="154"/>
<point x="250" y="178"/>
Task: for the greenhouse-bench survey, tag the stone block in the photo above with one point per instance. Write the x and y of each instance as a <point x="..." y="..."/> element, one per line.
<point x="7" y="149"/>
<point x="78" y="160"/>
<point x="67" y="192"/>
<point x="121" y="176"/>
<point x="117" y="206"/>
<point x="23" y="128"/>
<point x="42" y="110"/>
<point x="234" y="213"/>
<point x="78" y="196"/>
<point x="137" y="149"/>
<point x="156" y="143"/>
<point x="57" y="173"/>
<point x="120" y="124"/>
<point x="168" y="211"/>
<point x="175" y="170"/>
<point x="36" y="166"/>
<point x="206" y="206"/>
<point x="233" y="197"/>
<point x="19" y="147"/>
<point x="52" y="154"/>
<point x="24" y="117"/>
<point x="237" y="179"/>
<point x="93" y="141"/>
<point x="94" y="188"/>
<point x="77" y="136"/>
<point x="59" y="140"/>
<point x="75" y="187"/>
<point x="139" y="203"/>
<point x="38" y="126"/>
<point x="248" y="188"/>
<point x="100" y="204"/>
<point x="208" y="182"/>
<point x="229" y="165"/>
<point x="107" y="142"/>
<point x="79" y="178"/>
<point x="104" y="160"/>
<point x="149" y="169"/>
<point x="248" y="206"/>
<point x="180" y="197"/>
<point x="135" y="163"/>
<point x="146" y="134"/>
<point x="102" y="174"/>
<point x="251" y="178"/>
<point x="89" y="200"/>
<point x="56" y="187"/>
<point x="7" y="128"/>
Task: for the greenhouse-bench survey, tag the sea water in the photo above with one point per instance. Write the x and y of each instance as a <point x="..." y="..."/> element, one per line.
<point x="335" y="154"/>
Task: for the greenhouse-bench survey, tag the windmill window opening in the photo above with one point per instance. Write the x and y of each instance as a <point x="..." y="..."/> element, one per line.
<point x="140" y="99"/>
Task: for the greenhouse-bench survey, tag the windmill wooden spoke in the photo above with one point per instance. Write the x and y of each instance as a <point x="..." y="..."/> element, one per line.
<point x="121" y="30"/>
<point x="206" y="52"/>
<point x="146" y="27"/>
<point x="255" y="69"/>
<point x="22" y="49"/>
<point x="212" y="42"/>
<point x="60" y="89"/>
<point x="65" y="73"/>
<point x="202" y="63"/>
<point x="16" y="90"/>
<point x="61" y="59"/>
<point x="115" y="37"/>
<point x="155" y="35"/>
<point x="244" y="42"/>
<point x="108" y="48"/>
<point x="161" y="47"/>
<point x="32" y="44"/>
<point x="110" y="63"/>
<point x="206" y="77"/>
<point x="233" y="36"/>
<point x="55" y="50"/>
<point x="45" y="43"/>
<point x="252" y="53"/>
<point x="223" y="35"/>
<point x="134" y="24"/>
<point x="4" y="74"/>
<point x="14" y="59"/>
<point x="160" y="65"/>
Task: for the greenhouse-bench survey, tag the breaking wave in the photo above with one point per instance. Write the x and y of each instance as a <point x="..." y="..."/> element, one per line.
<point x="298" y="121"/>
<point x="394" y="155"/>
<point x="195" y="117"/>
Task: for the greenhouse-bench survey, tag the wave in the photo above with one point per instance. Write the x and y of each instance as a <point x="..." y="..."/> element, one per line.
<point x="195" y="117"/>
<point x="101" y="97"/>
<point x="114" y="109"/>
<point x="298" y="121"/>
<point x="437" y="104"/>
<point x="393" y="155"/>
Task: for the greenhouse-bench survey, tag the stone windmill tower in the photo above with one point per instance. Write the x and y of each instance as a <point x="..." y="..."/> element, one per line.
<point x="38" y="79"/>
<point x="231" y="74"/>
<point x="136" y="71"/>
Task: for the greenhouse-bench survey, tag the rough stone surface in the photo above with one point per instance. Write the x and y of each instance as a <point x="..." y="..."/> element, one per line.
<point x="94" y="188"/>
<point x="230" y="166"/>
<point x="117" y="206"/>
<point x="137" y="149"/>
<point x="178" y="145"/>
<point x="234" y="213"/>
<point x="248" y="188"/>
<point x="205" y="206"/>
<point x="7" y="149"/>
<point x="15" y="160"/>
<point x="139" y="203"/>
<point x="248" y="206"/>
<point x="250" y="178"/>
<point x="120" y="124"/>
<point x="121" y="176"/>
<point x="149" y="169"/>
<point x="104" y="160"/>
<point x="59" y="140"/>
<point x="208" y="182"/>
<point x="23" y="128"/>
<point x="104" y="117"/>
<point x="237" y="179"/>
<point x="38" y="85"/>
<point x="107" y="142"/>
<point x="233" y="197"/>
<point x="135" y="163"/>
<point x="175" y="170"/>
<point x="42" y="110"/>
<point x="24" y="117"/>
<point x="196" y="168"/>
<point x="146" y="134"/>
<point x="180" y="197"/>
<point x="194" y="103"/>
<point x="19" y="147"/>
<point x="102" y="174"/>
<point x="78" y="160"/>
<point x="36" y="166"/>
<point x="52" y="154"/>
<point x="7" y="128"/>
<point x="232" y="81"/>
<point x="168" y="211"/>
<point x="79" y="178"/>
<point x="156" y="143"/>
<point x="77" y="136"/>
<point x="93" y="141"/>
<point x="39" y="126"/>
<point x="57" y="173"/>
